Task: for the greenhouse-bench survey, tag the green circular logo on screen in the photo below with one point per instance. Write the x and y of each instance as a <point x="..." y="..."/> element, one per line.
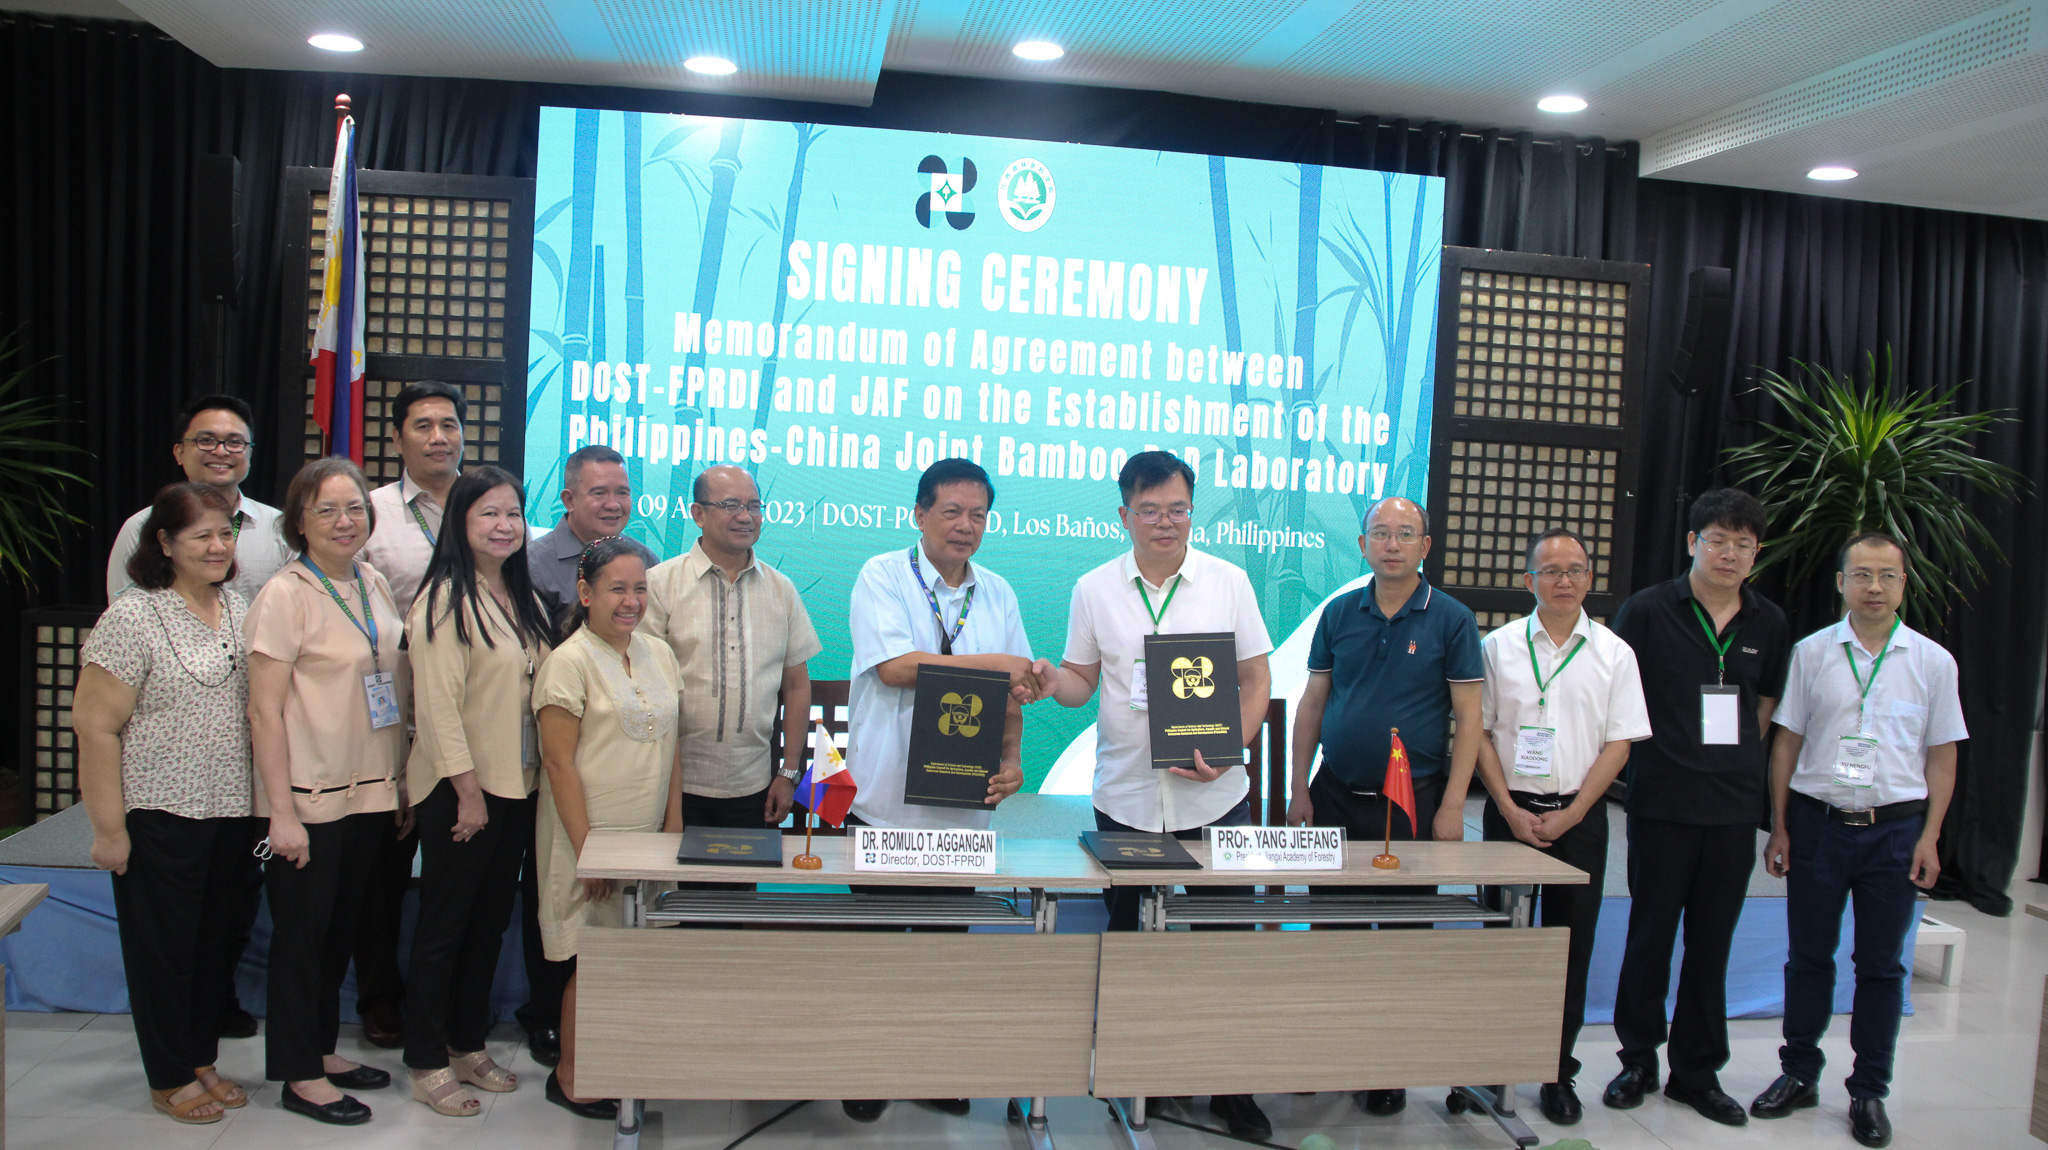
<point x="1024" y="195"/>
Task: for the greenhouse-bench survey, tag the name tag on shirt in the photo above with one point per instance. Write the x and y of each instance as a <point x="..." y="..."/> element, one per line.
<point x="1720" y="715"/>
<point x="381" y="690"/>
<point x="1856" y="761"/>
<point x="1141" y="694"/>
<point x="1534" y="749"/>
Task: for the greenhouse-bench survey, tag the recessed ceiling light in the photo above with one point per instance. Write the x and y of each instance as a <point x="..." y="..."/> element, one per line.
<point x="711" y="65"/>
<point x="335" y="42"/>
<point x="1832" y="173"/>
<point x="1561" y="104"/>
<point x="1040" y="50"/>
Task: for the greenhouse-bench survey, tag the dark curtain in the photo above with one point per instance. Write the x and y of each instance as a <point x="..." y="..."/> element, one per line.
<point x="101" y="124"/>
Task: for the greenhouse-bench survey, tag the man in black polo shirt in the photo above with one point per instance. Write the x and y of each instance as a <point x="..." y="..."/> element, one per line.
<point x="1713" y="654"/>
<point x="1395" y="653"/>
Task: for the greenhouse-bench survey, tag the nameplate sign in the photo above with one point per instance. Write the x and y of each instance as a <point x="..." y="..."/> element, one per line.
<point x="1276" y="848"/>
<point x="931" y="851"/>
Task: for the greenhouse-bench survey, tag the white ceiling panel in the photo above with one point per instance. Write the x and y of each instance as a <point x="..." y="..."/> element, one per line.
<point x="1937" y="102"/>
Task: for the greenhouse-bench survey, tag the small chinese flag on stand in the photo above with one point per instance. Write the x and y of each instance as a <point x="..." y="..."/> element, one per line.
<point x="1399" y="790"/>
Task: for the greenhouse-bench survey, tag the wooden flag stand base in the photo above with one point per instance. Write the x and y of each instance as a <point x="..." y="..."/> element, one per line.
<point x="1389" y="860"/>
<point x="807" y="860"/>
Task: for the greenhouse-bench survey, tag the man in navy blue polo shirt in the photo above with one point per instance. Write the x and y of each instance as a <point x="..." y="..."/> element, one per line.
<point x="1395" y="653"/>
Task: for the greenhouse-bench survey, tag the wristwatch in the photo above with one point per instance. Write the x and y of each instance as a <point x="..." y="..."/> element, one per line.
<point x="789" y="773"/>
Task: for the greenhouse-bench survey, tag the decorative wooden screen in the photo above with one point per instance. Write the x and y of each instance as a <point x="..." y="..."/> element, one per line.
<point x="1538" y="396"/>
<point x="51" y="638"/>
<point x="448" y="266"/>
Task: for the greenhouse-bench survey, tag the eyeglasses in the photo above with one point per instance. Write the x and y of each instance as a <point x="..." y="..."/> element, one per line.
<point x="1152" y="515"/>
<point x="1563" y="574"/>
<point x="734" y="506"/>
<point x="1884" y="579"/>
<point x="232" y="445"/>
<point x="1741" y="548"/>
<point x="1405" y="536"/>
<point x="328" y="512"/>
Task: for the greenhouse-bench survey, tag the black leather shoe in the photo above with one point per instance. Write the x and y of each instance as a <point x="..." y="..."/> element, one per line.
<point x="1711" y="1103"/>
<point x="1867" y="1123"/>
<point x="1560" y="1103"/>
<point x="361" y="1078"/>
<point x="545" y="1044"/>
<point x="1627" y="1090"/>
<point x="863" y="1110"/>
<point x="1242" y="1115"/>
<point x="383" y="1023"/>
<point x="1782" y="1097"/>
<point x="1380" y="1102"/>
<point x="957" y="1107"/>
<point x="236" y="1022"/>
<point x="606" y="1109"/>
<point x="347" y="1112"/>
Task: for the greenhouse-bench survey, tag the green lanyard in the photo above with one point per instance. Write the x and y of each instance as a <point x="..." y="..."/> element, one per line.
<point x="235" y="525"/>
<point x="1159" y="616"/>
<point x="1863" y="700"/>
<point x="416" y="516"/>
<point x="369" y="632"/>
<point x="1719" y="645"/>
<point x="1543" y="688"/>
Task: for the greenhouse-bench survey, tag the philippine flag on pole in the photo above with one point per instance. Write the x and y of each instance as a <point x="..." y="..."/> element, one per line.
<point x="827" y="786"/>
<point x="338" y="341"/>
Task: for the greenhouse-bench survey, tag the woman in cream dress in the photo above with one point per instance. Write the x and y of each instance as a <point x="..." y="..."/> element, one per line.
<point x="608" y="701"/>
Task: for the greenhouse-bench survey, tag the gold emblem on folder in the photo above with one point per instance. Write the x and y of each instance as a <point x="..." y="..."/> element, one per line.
<point x="959" y="714"/>
<point x="1192" y="677"/>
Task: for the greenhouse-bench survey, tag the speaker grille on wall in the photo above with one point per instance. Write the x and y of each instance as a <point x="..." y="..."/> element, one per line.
<point x="1703" y="341"/>
<point x="218" y="218"/>
<point x="1538" y="385"/>
<point x="447" y="276"/>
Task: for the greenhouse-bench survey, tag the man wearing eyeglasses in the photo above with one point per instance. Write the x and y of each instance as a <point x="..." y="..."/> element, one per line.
<point x="742" y="637"/>
<point x="215" y="449"/>
<point x="1712" y="654"/>
<point x="1561" y="704"/>
<point x="1862" y="771"/>
<point x="597" y="503"/>
<point x="1161" y="586"/>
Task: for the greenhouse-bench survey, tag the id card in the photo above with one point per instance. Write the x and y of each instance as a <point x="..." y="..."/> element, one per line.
<point x="1534" y="747"/>
<point x="381" y="689"/>
<point x="1141" y="693"/>
<point x="1720" y="715"/>
<point x="1856" y="761"/>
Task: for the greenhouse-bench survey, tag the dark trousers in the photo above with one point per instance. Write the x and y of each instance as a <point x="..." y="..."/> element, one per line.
<point x="466" y="893"/>
<point x="1363" y="815"/>
<point x="313" y="918"/>
<point x="545" y="980"/>
<point x="380" y="981"/>
<point x="1699" y="874"/>
<point x="1123" y="900"/>
<point x="247" y="876"/>
<point x="1830" y="863"/>
<point x="178" y="909"/>
<point x="1576" y="908"/>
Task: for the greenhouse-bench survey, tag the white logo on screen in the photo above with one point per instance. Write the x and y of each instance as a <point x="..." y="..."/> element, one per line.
<point x="1025" y="196"/>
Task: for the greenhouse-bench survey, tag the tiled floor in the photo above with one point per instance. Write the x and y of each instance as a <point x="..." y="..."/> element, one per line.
<point x="1965" y="1077"/>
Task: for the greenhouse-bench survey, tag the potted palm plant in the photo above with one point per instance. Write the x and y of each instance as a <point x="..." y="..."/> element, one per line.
<point x="1864" y="455"/>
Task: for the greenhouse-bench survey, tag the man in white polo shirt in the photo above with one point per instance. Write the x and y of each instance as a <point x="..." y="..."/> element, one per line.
<point x="1562" y="701"/>
<point x="1861" y="775"/>
<point x="1161" y="586"/>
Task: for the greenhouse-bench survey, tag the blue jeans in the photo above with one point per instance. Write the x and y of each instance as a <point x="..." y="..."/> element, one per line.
<point x="1122" y="901"/>
<point x="1830" y="863"/>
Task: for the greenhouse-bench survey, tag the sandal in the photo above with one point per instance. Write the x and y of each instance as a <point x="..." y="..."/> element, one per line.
<point x="479" y="1071"/>
<point x="183" y="1111"/>
<point x="439" y="1090"/>
<point x="229" y="1094"/>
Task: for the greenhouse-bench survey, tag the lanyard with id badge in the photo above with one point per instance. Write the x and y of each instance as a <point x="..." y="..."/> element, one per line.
<point x="1141" y="692"/>
<point x="1855" y="775"/>
<point x="1536" y="747"/>
<point x="1720" y="704"/>
<point x="380" y="688"/>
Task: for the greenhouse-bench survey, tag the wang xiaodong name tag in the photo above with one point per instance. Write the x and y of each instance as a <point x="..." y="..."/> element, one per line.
<point x="1856" y="761"/>
<point x="1534" y="749"/>
<point x="381" y="690"/>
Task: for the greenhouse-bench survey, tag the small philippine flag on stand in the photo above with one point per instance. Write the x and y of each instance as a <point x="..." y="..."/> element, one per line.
<point x="827" y="786"/>
<point x="338" y="340"/>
